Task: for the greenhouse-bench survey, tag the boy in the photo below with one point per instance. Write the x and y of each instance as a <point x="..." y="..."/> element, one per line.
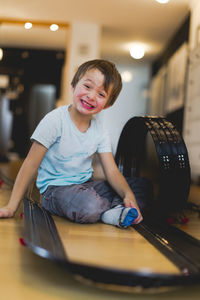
<point x="62" y="149"/>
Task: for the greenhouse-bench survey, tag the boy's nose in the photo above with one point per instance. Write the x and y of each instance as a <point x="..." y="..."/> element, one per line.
<point x="92" y="95"/>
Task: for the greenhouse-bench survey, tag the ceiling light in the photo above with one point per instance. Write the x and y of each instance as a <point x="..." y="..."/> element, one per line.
<point x="137" y="51"/>
<point x="126" y="76"/>
<point x="162" y="1"/>
<point x="1" y="53"/>
<point x="28" y="25"/>
<point x="54" y="27"/>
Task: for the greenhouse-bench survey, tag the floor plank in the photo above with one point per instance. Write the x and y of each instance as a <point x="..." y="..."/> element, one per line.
<point x="108" y="246"/>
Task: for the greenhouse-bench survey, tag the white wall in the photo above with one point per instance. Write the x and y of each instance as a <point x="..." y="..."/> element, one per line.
<point x="192" y="105"/>
<point x="194" y="23"/>
<point x="131" y="101"/>
<point x="83" y="44"/>
<point x="158" y="89"/>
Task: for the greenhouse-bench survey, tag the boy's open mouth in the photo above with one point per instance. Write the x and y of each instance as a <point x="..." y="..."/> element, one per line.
<point x="87" y="105"/>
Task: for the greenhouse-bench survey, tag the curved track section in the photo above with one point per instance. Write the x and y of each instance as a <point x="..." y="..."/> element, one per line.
<point x="152" y="147"/>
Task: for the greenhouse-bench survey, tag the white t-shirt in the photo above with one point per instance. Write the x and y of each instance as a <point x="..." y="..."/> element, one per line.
<point x="68" y="159"/>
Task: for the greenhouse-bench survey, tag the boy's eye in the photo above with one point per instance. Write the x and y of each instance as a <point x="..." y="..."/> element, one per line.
<point x="87" y="86"/>
<point x="102" y="95"/>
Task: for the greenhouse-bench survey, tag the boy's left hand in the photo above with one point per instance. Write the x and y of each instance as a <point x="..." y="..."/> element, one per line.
<point x="129" y="202"/>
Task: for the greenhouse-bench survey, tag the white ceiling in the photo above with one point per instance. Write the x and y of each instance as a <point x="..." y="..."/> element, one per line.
<point x="122" y="22"/>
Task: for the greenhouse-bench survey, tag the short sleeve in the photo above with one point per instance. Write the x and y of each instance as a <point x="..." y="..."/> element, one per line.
<point x="104" y="144"/>
<point x="48" y="130"/>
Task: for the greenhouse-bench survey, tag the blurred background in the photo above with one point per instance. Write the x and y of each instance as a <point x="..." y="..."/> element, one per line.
<point x="154" y="43"/>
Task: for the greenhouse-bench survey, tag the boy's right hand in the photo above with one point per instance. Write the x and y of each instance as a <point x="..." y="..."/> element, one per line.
<point x="6" y="212"/>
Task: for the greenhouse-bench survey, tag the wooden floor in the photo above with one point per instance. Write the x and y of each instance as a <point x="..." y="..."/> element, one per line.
<point x="108" y="246"/>
<point x="24" y="275"/>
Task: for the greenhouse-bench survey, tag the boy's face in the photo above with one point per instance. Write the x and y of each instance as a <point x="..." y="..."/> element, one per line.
<point x="89" y="95"/>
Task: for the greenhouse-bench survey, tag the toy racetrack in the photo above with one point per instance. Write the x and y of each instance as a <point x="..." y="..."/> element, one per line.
<point x="116" y="258"/>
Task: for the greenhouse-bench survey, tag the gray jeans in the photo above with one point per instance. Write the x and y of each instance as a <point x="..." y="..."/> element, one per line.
<point x="84" y="203"/>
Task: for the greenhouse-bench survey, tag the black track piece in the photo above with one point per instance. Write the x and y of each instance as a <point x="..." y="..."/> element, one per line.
<point x="41" y="236"/>
<point x="40" y="233"/>
<point x="181" y="248"/>
<point x="173" y="183"/>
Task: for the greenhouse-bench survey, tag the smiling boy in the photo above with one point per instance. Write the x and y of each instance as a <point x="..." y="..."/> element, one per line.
<point x="63" y="145"/>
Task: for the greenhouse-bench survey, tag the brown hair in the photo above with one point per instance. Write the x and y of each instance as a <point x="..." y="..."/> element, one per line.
<point x="110" y="72"/>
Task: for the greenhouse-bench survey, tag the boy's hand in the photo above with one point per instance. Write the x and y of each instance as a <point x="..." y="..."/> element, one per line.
<point x="6" y="212"/>
<point x="129" y="202"/>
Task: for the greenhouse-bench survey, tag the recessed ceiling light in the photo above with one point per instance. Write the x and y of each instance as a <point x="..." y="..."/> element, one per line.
<point x="162" y="1"/>
<point x="137" y="51"/>
<point x="54" y="27"/>
<point x="126" y="76"/>
<point x="28" y="25"/>
<point x="1" y="53"/>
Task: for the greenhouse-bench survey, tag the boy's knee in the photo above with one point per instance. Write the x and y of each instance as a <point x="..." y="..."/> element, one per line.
<point x="143" y="191"/>
<point x="141" y="184"/>
<point x="89" y="209"/>
<point x="85" y="218"/>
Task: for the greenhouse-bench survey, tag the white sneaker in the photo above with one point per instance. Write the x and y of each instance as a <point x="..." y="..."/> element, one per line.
<point x="120" y="216"/>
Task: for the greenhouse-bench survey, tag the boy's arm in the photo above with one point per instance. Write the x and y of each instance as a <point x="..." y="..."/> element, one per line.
<point x="118" y="182"/>
<point x="25" y="176"/>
